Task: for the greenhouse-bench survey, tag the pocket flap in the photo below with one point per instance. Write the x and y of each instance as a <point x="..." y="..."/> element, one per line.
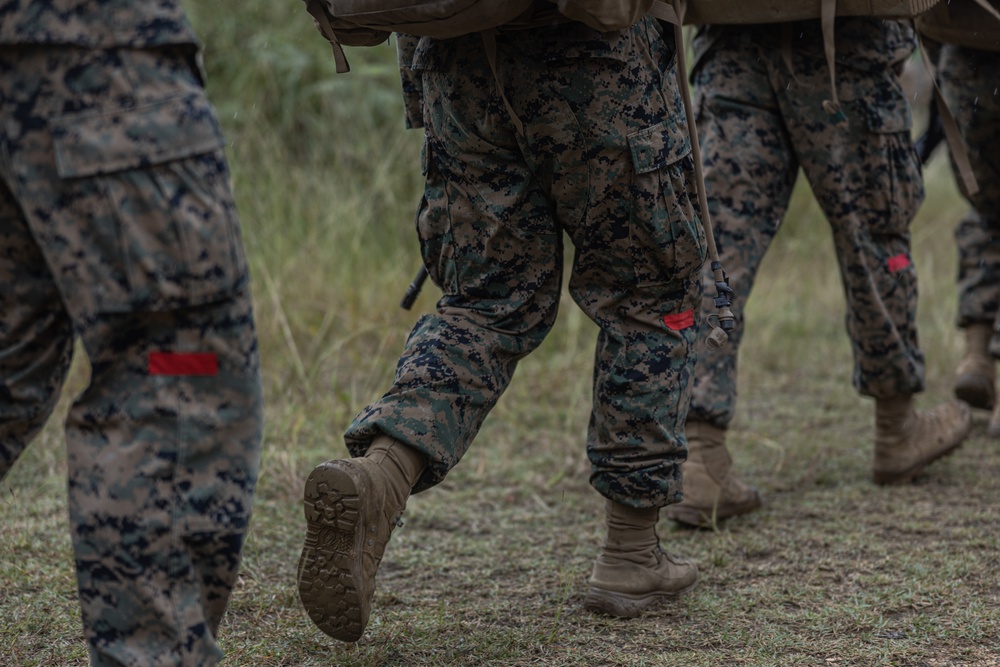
<point x="658" y="146"/>
<point x="89" y="143"/>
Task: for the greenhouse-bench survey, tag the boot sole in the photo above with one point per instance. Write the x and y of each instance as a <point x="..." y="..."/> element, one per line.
<point x="624" y="605"/>
<point x="907" y="476"/>
<point x="975" y="390"/>
<point x="330" y="574"/>
<point x="708" y="517"/>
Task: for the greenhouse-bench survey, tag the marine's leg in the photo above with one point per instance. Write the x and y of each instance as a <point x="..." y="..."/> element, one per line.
<point x="750" y="171"/>
<point x="136" y="221"/>
<point x="614" y="139"/>
<point x="36" y="335"/>
<point x="490" y="243"/>
<point x="866" y="179"/>
<point x="969" y="79"/>
<point x="164" y="449"/>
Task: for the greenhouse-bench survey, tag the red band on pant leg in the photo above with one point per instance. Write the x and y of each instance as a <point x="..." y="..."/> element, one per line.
<point x="898" y="262"/>
<point x="678" y="321"/>
<point x="183" y="363"/>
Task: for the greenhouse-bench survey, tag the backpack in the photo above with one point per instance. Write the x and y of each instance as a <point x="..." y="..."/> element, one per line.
<point x="971" y="23"/>
<point x="370" y="22"/>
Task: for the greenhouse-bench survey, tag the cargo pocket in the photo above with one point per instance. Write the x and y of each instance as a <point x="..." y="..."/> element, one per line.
<point x="666" y="239"/>
<point x="163" y="232"/>
<point x="894" y="182"/>
<point x="437" y="240"/>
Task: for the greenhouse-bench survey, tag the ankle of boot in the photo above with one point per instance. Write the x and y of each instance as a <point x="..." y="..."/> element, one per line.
<point x="893" y="410"/>
<point x="702" y="435"/>
<point x="977" y="338"/>
<point x="631" y="536"/>
<point x="894" y="418"/>
<point x="708" y="464"/>
<point x="402" y="465"/>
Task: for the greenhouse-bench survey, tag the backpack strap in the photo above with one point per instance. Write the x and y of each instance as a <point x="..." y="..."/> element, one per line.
<point x="990" y="9"/>
<point x="828" y="15"/>
<point x="956" y="146"/>
<point x="723" y="295"/>
<point x="664" y="11"/>
<point x="319" y="14"/>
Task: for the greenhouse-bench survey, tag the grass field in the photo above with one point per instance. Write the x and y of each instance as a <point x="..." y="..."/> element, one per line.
<point x="491" y="566"/>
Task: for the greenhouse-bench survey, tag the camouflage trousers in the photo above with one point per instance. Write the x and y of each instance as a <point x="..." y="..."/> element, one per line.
<point x="970" y="80"/>
<point x="604" y="158"/>
<point x="759" y="125"/>
<point x="118" y="229"/>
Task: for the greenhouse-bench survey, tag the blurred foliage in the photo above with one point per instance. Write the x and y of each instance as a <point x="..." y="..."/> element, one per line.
<point x="267" y="64"/>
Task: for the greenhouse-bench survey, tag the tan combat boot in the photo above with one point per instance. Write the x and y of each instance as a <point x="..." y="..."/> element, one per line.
<point x="906" y="440"/>
<point x="351" y="508"/>
<point x="712" y="491"/>
<point x="993" y="430"/>
<point x="634" y="572"/>
<point x="975" y="378"/>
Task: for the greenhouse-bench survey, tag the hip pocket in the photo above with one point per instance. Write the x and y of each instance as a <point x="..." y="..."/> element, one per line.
<point x="152" y="188"/>
<point x="666" y="239"/>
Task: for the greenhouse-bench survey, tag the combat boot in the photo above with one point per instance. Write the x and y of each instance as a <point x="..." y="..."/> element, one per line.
<point x="712" y="491"/>
<point x="993" y="430"/>
<point x="633" y="571"/>
<point x="352" y="507"/>
<point x="906" y="440"/>
<point x="975" y="378"/>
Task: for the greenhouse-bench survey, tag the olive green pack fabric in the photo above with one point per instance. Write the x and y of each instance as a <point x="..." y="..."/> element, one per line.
<point x="970" y="23"/>
<point x="607" y="15"/>
<point x="700" y="12"/>
<point x="431" y="18"/>
<point x="370" y="22"/>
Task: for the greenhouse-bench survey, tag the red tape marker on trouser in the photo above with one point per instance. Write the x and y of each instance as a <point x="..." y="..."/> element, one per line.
<point x="183" y="363"/>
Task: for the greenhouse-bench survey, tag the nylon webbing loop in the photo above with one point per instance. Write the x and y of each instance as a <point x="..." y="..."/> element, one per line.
<point x="665" y="12"/>
<point x="317" y="12"/>
<point x="990" y="9"/>
<point x="828" y="16"/>
<point x="727" y="321"/>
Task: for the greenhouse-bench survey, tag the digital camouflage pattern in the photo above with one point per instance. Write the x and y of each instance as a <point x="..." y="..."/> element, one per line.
<point x="94" y="23"/>
<point x="605" y="157"/>
<point x="118" y="228"/>
<point x="759" y="123"/>
<point x="970" y="81"/>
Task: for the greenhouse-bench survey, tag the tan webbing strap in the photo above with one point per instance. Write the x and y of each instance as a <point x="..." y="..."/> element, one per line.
<point x="956" y="145"/>
<point x="665" y="12"/>
<point x="828" y="15"/>
<point x="314" y="8"/>
<point x="490" y="44"/>
<point x="990" y="9"/>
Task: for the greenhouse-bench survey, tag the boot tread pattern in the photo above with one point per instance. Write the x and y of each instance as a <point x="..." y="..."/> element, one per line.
<point x="329" y="568"/>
